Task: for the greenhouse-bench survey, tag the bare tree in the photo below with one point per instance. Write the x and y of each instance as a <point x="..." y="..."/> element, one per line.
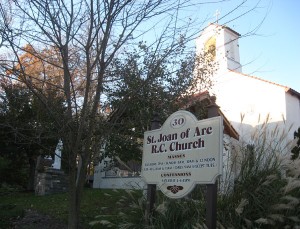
<point x="86" y="35"/>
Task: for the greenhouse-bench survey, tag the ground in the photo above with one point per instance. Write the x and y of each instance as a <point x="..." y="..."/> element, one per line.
<point x="35" y="220"/>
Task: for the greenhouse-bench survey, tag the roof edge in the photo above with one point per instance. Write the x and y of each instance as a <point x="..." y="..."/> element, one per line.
<point x="286" y="88"/>
<point x="292" y="92"/>
<point x="225" y="27"/>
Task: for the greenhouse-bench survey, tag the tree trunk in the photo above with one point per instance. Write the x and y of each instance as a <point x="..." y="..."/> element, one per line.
<point x="31" y="178"/>
<point x="74" y="204"/>
<point x="76" y="185"/>
<point x="75" y="194"/>
<point x="74" y="209"/>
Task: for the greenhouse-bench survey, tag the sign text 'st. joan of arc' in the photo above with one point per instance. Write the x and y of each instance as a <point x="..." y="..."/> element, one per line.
<point x="182" y="153"/>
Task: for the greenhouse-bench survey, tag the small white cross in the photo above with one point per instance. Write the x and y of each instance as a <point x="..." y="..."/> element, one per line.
<point x="217" y="13"/>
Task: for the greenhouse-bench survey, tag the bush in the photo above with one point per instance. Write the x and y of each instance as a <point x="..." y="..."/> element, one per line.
<point x="183" y="213"/>
<point x="265" y="193"/>
<point x="260" y="196"/>
<point x="266" y="189"/>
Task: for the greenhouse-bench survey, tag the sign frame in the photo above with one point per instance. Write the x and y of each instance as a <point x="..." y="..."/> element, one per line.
<point x="177" y="170"/>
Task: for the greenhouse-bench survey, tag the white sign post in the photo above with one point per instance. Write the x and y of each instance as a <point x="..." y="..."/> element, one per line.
<point x="183" y="153"/>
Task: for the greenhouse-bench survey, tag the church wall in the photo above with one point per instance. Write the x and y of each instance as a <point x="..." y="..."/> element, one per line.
<point x="231" y="50"/>
<point x="293" y="113"/>
<point x="120" y="183"/>
<point x="205" y="35"/>
<point x="248" y="102"/>
<point x="116" y="182"/>
<point x="221" y="51"/>
<point x="227" y="48"/>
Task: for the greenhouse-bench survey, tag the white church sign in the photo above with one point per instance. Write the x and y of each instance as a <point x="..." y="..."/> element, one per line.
<point x="183" y="153"/>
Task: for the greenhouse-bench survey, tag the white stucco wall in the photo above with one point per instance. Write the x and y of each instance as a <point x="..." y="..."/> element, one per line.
<point x="249" y="102"/>
<point x="110" y="177"/>
<point x="292" y="113"/>
<point x="119" y="182"/>
<point x="246" y="101"/>
<point x="227" y="46"/>
<point x="229" y="51"/>
<point x="115" y="182"/>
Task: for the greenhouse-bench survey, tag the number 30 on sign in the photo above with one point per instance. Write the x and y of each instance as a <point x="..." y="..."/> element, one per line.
<point x="177" y="122"/>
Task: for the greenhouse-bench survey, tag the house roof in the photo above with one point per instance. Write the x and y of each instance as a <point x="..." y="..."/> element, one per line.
<point x="228" y="128"/>
<point x="287" y="89"/>
<point x="292" y="92"/>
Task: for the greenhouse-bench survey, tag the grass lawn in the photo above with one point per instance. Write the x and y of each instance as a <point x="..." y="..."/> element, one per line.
<point x="95" y="202"/>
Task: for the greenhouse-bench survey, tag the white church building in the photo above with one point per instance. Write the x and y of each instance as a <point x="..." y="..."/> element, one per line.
<point x="247" y="101"/>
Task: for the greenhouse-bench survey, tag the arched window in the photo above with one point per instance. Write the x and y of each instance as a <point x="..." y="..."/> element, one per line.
<point x="210" y="47"/>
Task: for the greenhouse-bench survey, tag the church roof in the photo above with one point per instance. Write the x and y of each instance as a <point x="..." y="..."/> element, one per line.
<point x="224" y="27"/>
<point x="286" y="88"/>
<point x="293" y="92"/>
